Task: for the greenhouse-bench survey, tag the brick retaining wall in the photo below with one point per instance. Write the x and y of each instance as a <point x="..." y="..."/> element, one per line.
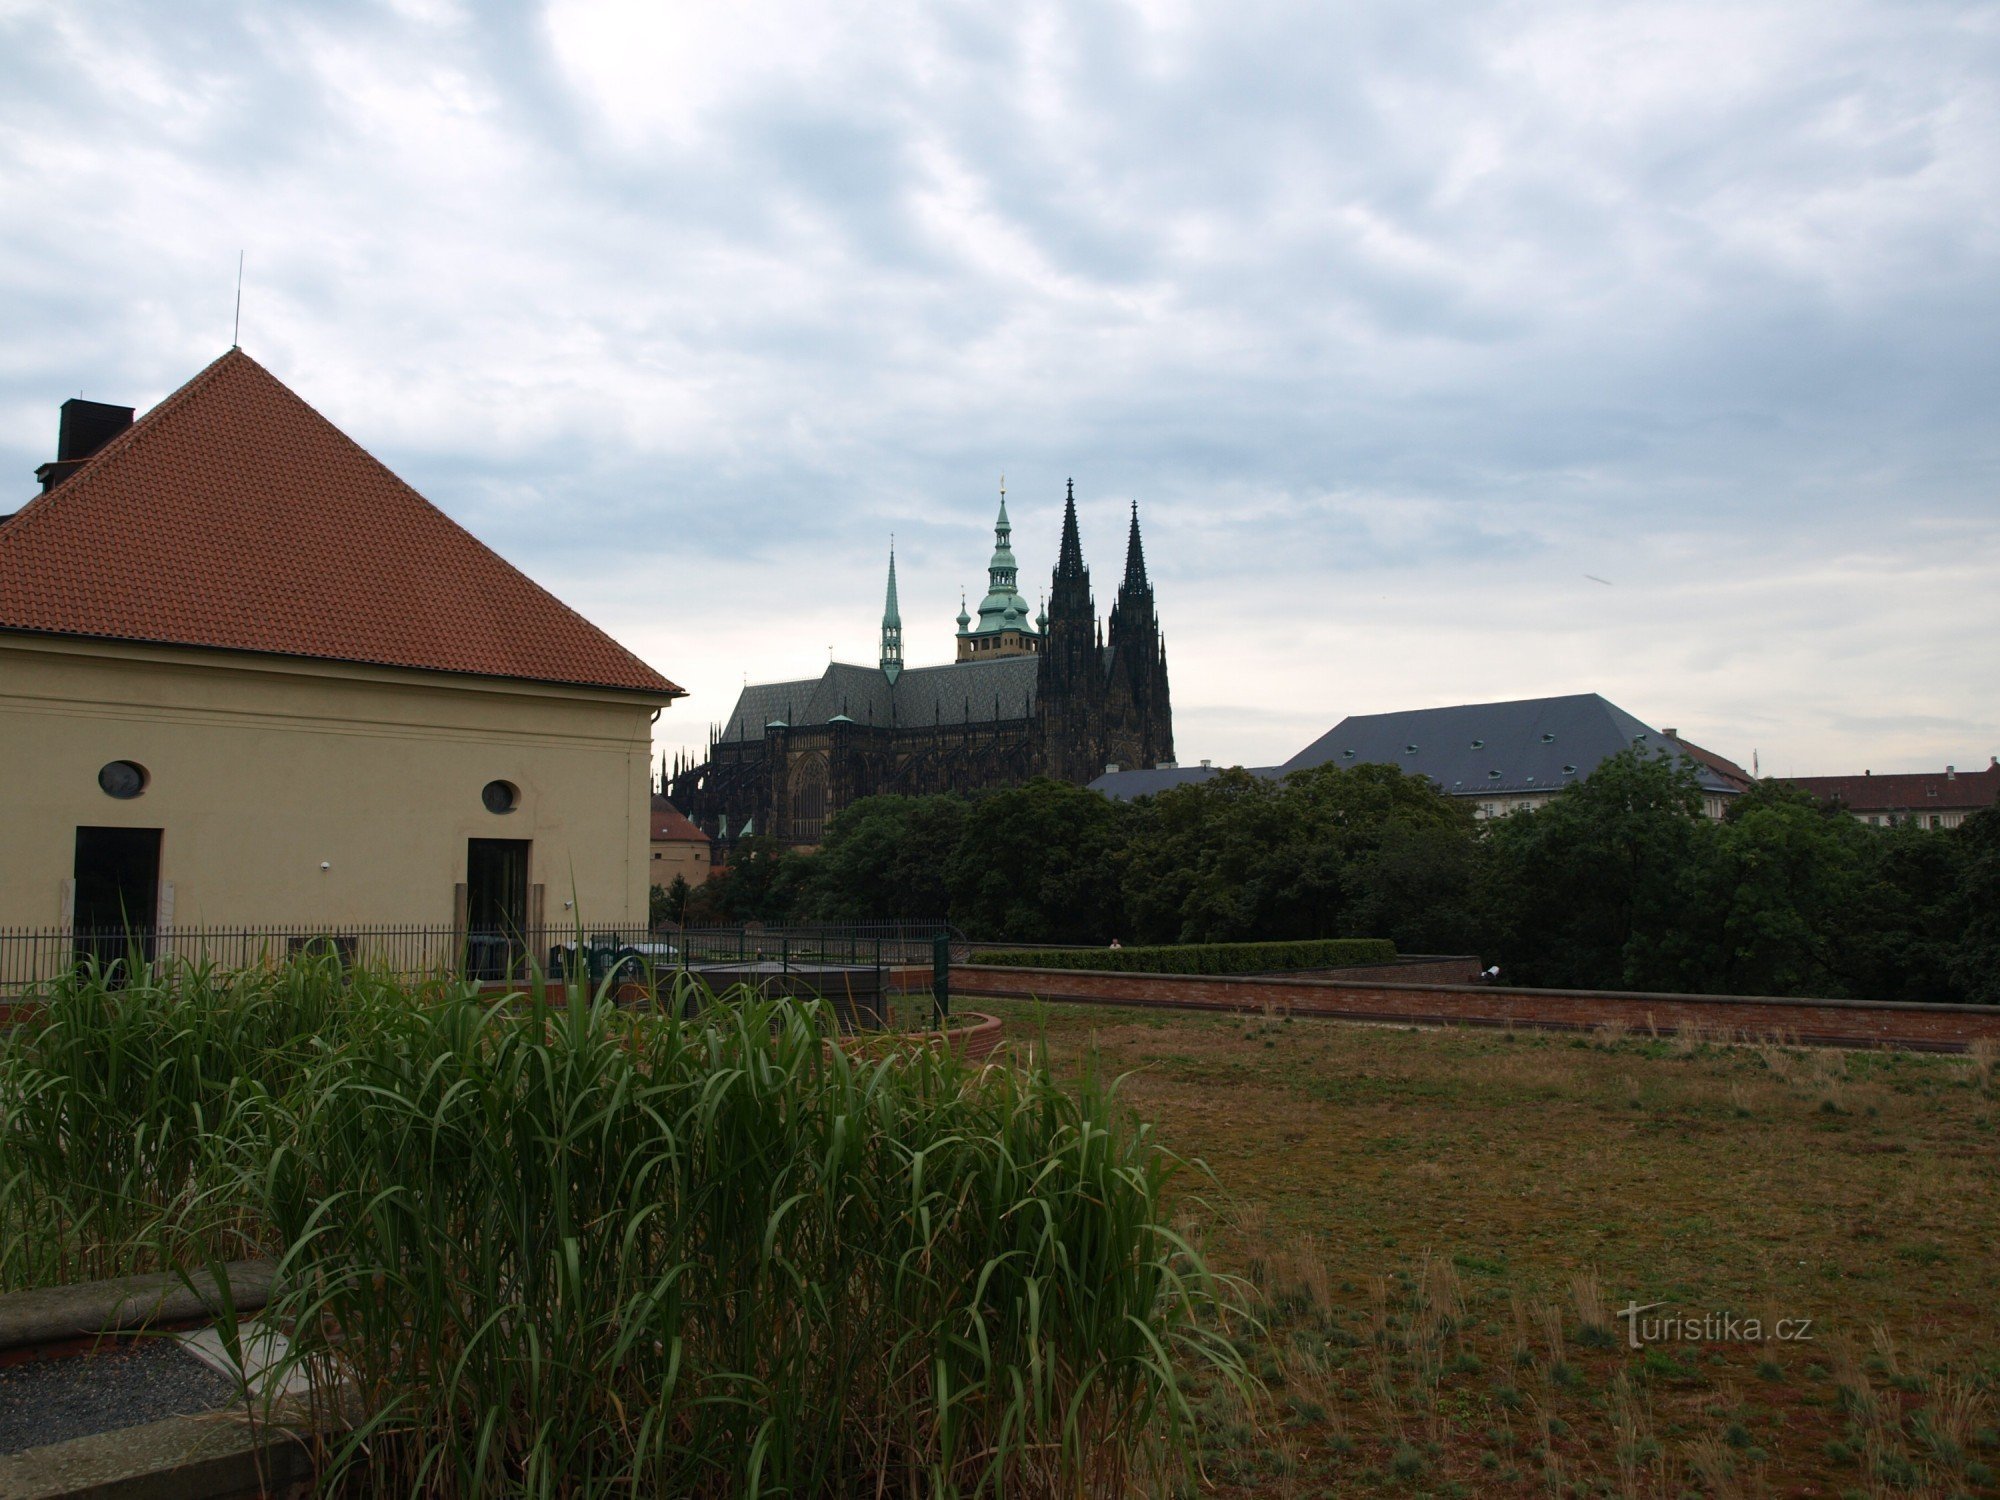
<point x="1935" y="1028"/>
<point x="1419" y="968"/>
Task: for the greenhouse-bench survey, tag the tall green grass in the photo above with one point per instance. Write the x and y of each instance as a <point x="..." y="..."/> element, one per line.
<point x="561" y="1249"/>
<point x="129" y="1109"/>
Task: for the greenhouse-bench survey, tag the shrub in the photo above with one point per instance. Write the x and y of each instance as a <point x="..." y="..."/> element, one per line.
<point x="1199" y="958"/>
<point x="557" y="1247"/>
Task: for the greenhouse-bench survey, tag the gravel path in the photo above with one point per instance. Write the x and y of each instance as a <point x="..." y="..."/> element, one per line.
<point x="125" y="1382"/>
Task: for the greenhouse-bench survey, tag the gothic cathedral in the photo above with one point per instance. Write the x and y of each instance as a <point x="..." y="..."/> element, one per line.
<point x="1048" y="696"/>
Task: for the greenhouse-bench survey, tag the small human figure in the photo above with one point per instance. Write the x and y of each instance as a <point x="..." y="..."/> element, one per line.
<point x="1116" y="944"/>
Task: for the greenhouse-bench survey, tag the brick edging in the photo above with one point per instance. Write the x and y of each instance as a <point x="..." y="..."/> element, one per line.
<point x="1911" y="1024"/>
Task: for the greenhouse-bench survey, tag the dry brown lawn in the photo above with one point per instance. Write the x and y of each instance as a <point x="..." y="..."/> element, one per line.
<point x="1438" y="1229"/>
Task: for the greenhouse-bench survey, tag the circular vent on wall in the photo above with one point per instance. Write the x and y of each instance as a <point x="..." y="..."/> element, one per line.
<point x="123" y="779"/>
<point x="500" y="796"/>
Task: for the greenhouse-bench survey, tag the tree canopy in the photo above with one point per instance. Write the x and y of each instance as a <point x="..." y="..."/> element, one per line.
<point x="1617" y="882"/>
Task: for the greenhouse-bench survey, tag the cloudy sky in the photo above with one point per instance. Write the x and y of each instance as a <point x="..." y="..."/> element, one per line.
<point x="1453" y="352"/>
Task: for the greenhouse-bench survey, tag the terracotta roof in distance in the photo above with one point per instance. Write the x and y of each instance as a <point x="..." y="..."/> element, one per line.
<point x="672" y="826"/>
<point x="233" y="515"/>
<point x="1918" y="791"/>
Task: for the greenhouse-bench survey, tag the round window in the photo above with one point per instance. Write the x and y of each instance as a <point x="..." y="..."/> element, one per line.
<point x="123" y="779"/>
<point x="500" y="796"/>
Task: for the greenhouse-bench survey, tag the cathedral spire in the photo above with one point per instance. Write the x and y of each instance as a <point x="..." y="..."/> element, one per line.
<point x="1135" y="556"/>
<point x="1069" y="561"/>
<point x="892" y="624"/>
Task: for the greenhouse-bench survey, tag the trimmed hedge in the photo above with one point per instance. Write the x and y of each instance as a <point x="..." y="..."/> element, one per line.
<point x="1199" y="958"/>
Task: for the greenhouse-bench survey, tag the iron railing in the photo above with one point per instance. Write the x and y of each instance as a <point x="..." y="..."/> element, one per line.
<point x="35" y="956"/>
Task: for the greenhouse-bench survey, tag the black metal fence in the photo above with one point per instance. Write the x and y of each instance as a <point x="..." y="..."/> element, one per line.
<point x="35" y="956"/>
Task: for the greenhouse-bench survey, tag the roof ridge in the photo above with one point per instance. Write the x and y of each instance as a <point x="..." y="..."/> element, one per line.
<point x="135" y="432"/>
<point x="283" y="460"/>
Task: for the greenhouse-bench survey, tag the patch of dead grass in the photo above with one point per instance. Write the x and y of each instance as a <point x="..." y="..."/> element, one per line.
<point x="1422" y="1207"/>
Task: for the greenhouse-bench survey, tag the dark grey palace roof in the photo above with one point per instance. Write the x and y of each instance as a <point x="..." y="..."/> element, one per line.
<point x="969" y="692"/>
<point x="1528" y="745"/>
<point x="1471" y="749"/>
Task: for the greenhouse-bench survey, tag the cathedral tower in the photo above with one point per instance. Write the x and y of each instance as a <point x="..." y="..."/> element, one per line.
<point x="1141" y="726"/>
<point x="1004" y="628"/>
<point x="1070" y="689"/>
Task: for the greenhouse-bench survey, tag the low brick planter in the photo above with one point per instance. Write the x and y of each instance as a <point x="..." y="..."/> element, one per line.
<point x="972" y="1036"/>
<point x="1852" y="1023"/>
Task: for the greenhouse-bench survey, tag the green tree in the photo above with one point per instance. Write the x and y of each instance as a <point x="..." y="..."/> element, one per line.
<point x="1785" y="889"/>
<point x="1975" y="960"/>
<point x="668" y="907"/>
<point x="1602" y="886"/>
<point x="1325" y="852"/>
<point x="762" y="883"/>
<point x="884" y="859"/>
<point x="1040" y="863"/>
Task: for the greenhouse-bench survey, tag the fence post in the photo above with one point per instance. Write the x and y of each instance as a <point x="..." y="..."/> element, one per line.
<point x="941" y="978"/>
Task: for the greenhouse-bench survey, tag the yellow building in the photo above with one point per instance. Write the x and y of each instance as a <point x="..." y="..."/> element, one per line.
<point x="248" y="677"/>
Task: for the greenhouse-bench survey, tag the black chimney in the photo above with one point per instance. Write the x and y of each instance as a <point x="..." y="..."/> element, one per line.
<point x="86" y="427"/>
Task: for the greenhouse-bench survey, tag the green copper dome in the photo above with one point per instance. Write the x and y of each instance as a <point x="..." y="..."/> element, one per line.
<point x="1003" y="608"/>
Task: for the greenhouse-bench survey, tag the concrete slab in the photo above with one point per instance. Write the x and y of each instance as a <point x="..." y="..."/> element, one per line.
<point x="263" y="1347"/>
<point x="215" y="1457"/>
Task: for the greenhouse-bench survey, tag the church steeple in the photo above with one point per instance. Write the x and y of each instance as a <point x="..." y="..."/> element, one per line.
<point x="1069" y="560"/>
<point x="1004" y="628"/>
<point x="892" y="625"/>
<point x="1069" y="586"/>
<point x="1135" y="557"/>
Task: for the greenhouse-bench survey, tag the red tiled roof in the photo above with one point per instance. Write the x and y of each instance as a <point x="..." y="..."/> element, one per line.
<point x="1922" y="791"/>
<point x="1723" y="767"/>
<point x="233" y="515"/>
<point x="671" y="825"/>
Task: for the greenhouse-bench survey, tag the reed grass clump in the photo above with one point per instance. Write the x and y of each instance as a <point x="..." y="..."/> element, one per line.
<point x="553" y="1247"/>
<point x="131" y="1103"/>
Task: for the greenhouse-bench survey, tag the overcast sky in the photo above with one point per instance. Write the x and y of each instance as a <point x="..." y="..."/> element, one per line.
<point x="1452" y="352"/>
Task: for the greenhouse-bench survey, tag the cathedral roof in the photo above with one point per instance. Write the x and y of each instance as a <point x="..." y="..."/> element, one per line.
<point x="965" y="692"/>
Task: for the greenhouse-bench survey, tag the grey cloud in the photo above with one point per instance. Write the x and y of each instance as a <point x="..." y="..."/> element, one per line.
<point x="1362" y="303"/>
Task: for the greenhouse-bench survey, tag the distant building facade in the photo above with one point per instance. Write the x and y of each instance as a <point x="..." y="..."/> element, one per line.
<point x="248" y="677"/>
<point x="1051" y="695"/>
<point x="1499" y="757"/>
<point x="1924" y="799"/>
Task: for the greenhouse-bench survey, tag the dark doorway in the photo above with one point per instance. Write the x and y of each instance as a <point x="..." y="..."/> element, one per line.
<point x="117" y="892"/>
<point x="496" y="907"/>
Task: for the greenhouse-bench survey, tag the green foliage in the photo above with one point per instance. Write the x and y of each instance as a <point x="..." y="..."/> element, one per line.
<point x="885" y="859"/>
<point x="668" y="906"/>
<point x="566" y="1249"/>
<point x="1326" y="852"/>
<point x="1618" y="882"/>
<point x="762" y="883"/>
<point x="1596" y="887"/>
<point x="1200" y="958"/>
<point x="1039" y="864"/>
<point x="1975" y="960"/>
